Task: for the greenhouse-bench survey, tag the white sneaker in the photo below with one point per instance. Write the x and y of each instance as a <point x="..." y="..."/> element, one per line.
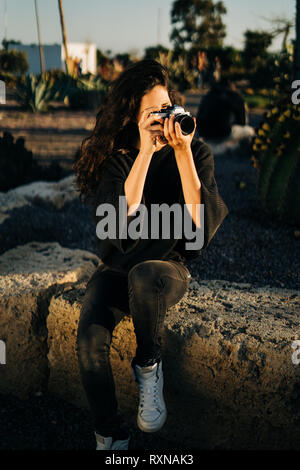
<point x="107" y="443"/>
<point x="152" y="412"/>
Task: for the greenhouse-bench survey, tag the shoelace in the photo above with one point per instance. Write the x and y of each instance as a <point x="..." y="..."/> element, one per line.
<point x="149" y="395"/>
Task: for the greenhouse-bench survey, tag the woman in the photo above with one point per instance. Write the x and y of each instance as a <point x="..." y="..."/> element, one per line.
<point x="142" y="158"/>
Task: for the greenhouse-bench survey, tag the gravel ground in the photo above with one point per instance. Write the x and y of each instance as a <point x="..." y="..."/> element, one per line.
<point x="248" y="247"/>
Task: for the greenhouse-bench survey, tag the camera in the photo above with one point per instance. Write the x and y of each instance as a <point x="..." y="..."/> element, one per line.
<point x="183" y="117"/>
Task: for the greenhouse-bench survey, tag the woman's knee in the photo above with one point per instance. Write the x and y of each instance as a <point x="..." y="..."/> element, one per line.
<point x="154" y="273"/>
<point x="145" y="275"/>
<point x="158" y="277"/>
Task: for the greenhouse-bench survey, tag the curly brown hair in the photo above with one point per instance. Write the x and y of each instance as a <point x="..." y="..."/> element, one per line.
<point x="116" y="121"/>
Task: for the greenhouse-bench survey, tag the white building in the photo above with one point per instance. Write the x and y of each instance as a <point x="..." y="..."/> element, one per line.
<point x="54" y="56"/>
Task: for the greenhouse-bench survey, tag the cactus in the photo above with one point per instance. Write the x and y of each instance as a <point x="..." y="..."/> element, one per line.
<point x="277" y="156"/>
<point x="35" y="92"/>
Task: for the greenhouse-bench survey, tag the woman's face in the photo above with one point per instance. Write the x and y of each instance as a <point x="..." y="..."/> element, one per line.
<point x="154" y="100"/>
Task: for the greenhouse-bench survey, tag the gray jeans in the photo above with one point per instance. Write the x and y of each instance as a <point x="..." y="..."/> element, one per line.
<point x="146" y="292"/>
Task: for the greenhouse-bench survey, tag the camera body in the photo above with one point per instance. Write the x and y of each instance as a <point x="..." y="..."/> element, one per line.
<point x="183" y="117"/>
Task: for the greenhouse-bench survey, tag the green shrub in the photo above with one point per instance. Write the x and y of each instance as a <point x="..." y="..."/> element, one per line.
<point x="13" y="61"/>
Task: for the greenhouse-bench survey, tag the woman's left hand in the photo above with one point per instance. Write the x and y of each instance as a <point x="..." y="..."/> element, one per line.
<point x="174" y="135"/>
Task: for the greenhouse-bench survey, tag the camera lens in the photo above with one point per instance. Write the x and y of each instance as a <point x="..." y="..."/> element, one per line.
<point x="186" y="123"/>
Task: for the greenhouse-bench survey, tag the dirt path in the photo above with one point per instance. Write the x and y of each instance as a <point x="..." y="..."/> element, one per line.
<point x="55" y="135"/>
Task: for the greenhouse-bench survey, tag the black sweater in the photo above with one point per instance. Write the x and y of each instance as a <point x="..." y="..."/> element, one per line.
<point x="162" y="184"/>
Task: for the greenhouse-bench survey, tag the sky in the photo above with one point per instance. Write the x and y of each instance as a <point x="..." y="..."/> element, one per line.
<point x="128" y="25"/>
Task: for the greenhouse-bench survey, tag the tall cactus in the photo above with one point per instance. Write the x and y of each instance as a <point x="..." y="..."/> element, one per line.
<point x="277" y="156"/>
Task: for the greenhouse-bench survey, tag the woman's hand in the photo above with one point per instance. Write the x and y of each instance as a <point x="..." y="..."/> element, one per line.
<point x="174" y="136"/>
<point x="150" y="134"/>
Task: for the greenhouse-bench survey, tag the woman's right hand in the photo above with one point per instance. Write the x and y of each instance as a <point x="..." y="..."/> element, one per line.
<point x="151" y="135"/>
